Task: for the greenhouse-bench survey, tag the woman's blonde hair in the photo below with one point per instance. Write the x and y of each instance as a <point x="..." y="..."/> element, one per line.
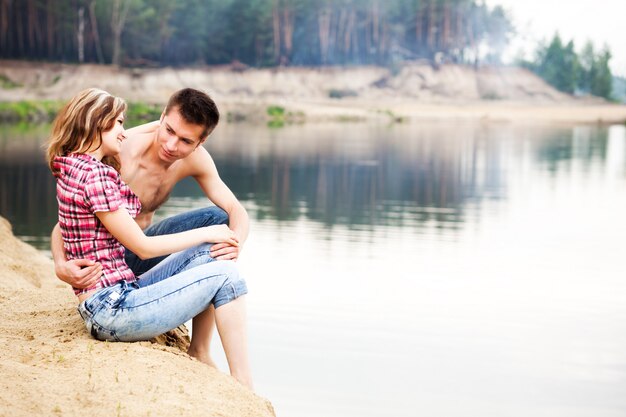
<point x="80" y="124"/>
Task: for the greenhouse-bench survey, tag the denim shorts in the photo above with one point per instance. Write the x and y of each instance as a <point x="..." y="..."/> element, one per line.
<point x="176" y="290"/>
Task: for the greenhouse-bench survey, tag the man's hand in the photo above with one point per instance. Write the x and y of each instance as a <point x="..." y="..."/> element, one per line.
<point x="79" y="273"/>
<point x="225" y="252"/>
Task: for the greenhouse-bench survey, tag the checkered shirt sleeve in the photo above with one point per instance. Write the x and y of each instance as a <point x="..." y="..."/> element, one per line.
<point x="102" y="190"/>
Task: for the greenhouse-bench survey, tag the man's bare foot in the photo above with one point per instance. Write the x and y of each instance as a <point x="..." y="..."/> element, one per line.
<point x="202" y="357"/>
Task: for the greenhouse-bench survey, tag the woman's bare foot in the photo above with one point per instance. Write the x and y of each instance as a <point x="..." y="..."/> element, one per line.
<point x="203" y="357"/>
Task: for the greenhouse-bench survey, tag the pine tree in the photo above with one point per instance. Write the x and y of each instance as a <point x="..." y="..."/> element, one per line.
<point x="602" y="81"/>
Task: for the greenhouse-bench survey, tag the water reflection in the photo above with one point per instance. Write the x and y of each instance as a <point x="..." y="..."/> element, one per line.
<point x="27" y="191"/>
<point x="586" y="144"/>
<point x="354" y="175"/>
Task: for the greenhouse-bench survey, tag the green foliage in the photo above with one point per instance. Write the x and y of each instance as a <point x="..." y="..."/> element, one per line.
<point x="276" y="111"/>
<point x="46" y="110"/>
<point x="279" y="116"/>
<point x="497" y="32"/>
<point x="490" y="95"/>
<point x="6" y="83"/>
<point x="596" y="77"/>
<point x="601" y="78"/>
<point x="619" y="89"/>
<point x="393" y="118"/>
<point x="256" y="32"/>
<point x="560" y="65"/>
<point x="587" y="58"/>
<point x="341" y="93"/>
<point x="29" y="111"/>
<point x="137" y="113"/>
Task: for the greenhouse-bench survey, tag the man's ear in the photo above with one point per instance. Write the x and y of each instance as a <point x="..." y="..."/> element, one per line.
<point x="202" y="141"/>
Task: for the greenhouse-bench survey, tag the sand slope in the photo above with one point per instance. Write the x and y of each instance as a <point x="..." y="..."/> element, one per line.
<point x="413" y="92"/>
<point x="50" y="366"/>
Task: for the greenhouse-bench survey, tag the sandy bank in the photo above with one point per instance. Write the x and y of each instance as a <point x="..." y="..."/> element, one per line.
<point x="411" y="93"/>
<point x="50" y="366"/>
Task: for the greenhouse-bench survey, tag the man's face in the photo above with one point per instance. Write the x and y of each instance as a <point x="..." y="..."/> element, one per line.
<point x="176" y="137"/>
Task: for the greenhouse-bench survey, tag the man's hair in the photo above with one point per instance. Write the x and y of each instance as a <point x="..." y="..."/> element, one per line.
<point x="195" y="107"/>
<point x="79" y="125"/>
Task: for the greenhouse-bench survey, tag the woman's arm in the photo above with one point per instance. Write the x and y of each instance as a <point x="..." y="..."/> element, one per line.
<point x="122" y="226"/>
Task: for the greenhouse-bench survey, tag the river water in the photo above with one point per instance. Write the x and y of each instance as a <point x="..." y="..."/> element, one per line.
<point x="436" y="269"/>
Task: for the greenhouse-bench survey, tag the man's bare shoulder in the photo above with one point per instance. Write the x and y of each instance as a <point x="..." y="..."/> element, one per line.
<point x="198" y="164"/>
<point x="139" y="138"/>
<point x="137" y="143"/>
<point x="133" y="150"/>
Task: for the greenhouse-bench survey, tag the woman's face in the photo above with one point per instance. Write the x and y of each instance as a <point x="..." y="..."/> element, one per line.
<point x="112" y="139"/>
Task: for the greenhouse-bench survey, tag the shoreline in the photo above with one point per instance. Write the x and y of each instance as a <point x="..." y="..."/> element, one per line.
<point x="303" y="112"/>
<point x="58" y="369"/>
<point x="402" y="111"/>
<point x="326" y="94"/>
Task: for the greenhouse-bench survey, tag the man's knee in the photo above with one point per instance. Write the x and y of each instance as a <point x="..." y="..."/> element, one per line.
<point x="215" y="215"/>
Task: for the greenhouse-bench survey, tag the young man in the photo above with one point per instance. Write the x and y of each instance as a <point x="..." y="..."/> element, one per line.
<point x="154" y="158"/>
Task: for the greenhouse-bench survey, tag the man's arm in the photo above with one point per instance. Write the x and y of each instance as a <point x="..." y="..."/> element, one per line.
<point x="79" y="273"/>
<point x="205" y="173"/>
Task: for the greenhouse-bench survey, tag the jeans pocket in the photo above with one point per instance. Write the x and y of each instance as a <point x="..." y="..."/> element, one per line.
<point x="101" y="309"/>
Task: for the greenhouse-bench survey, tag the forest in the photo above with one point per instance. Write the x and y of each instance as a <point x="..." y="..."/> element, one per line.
<point x="256" y="33"/>
<point x="584" y="72"/>
<point x="270" y="33"/>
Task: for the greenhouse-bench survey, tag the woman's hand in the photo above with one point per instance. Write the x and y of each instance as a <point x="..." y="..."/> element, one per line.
<point x="221" y="234"/>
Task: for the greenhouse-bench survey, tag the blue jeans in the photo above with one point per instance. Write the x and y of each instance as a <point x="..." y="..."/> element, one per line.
<point x="194" y="219"/>
<point x="176" y="290"/>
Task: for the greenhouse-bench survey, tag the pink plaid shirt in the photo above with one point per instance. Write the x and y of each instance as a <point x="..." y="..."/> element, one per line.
<point x="86" y="186"/>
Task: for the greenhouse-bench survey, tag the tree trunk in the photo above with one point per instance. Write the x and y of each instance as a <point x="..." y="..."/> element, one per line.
<point x="373" y="40"/>
<point x="375" y="23"/>
<point x="50" y="27"/>
<point x="419" y="25"/>
<point x="94" y="31"/>
<point x="333" y="33"/>
<point x="384" y="39"/>
<point x="276" y="28"/>
<point x="19" y="29"/>
<point x="288" y="31"/>
<point x="348" y="34"/>
<point x="80" y="35"/>
<point x="432" y="27"/>
<point x="341" y="26"/>
<point x="459" y="38"/>
<point x="5" y="10"/>
<point x="444" y="43"/>
<point x="118" y="18"/>
<point x="323" y="21"/>
<point x="31" y="25"/>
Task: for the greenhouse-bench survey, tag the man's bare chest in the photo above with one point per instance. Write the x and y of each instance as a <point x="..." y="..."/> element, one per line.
<point x="152" y="186"/>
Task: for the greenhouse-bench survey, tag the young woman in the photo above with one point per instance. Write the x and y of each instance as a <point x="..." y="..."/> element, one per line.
<point x="96" y="210"/>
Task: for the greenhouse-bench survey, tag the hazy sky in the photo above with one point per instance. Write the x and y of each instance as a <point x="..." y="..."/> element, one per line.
<point x="601" y="21"/>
